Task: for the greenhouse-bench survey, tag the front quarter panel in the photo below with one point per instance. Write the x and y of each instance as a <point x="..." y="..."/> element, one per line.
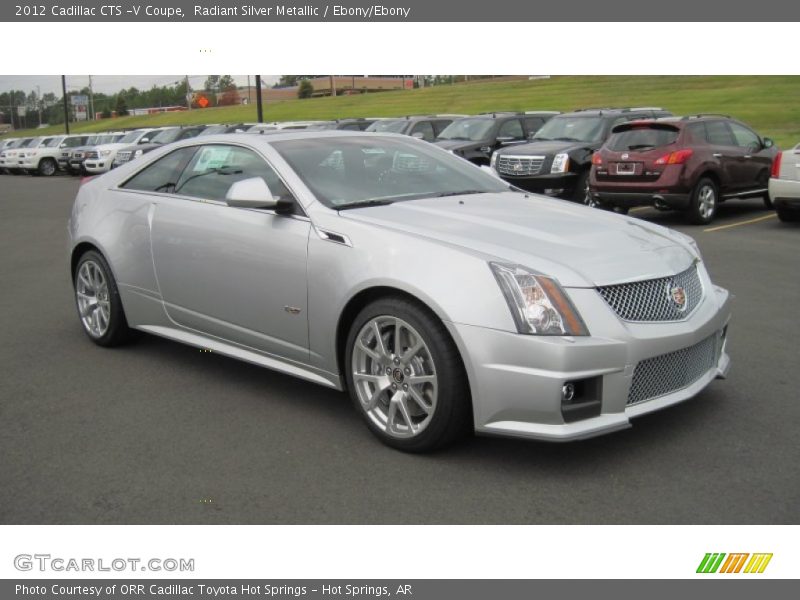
<point x="457" y="285"/>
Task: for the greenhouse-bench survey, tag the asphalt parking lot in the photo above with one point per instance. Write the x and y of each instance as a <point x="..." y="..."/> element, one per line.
<point x="157" y="432"/>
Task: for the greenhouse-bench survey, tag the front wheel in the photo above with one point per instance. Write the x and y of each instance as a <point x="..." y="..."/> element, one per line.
<point x="48" y="167"/>
<point x="703" y="202"/>
<point x="405" y="376"/>
<point x="788" y="216"/>
<point x="581" y="193"/>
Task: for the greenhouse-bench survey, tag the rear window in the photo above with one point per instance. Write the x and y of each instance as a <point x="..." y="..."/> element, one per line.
<point x="642" y="138"/>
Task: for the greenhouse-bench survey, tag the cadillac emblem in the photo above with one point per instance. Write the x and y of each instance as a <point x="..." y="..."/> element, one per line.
<point x="678" y="296"/>
<point x="624" y="157"/>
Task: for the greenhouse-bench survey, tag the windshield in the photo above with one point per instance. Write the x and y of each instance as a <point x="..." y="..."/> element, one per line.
<point x="25" y="143"/>
<point x="393" y="126"/>
<point x="214" y="129"/>
<point x="166" y="136"/>
<point x="467" y="129"/>
<point x="131" y="138"/>
<point x="571" y="129"/>
<point x="345" y="172"/>
<point x="642" y="138"/>
<point x="54" y="142"/>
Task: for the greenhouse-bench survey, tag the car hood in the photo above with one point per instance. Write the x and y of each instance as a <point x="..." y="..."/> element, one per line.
<point x="579" y="246"/>
<point x="548" y="148"/>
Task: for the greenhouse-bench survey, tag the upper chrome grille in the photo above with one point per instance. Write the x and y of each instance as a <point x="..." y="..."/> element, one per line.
<point x="508" y="164"/>
<point x="653" y="300"/>
<point x="661" y="375"/>
<point x="123" y="156"/>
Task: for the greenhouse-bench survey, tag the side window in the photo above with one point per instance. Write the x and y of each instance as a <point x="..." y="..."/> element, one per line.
<point x="440" y="125"/>
<point x="426" y="129"/>
<point x="216" y="167"/>
<point x="351" y="127"/>
<point x="512" y="129"/>
<point x="744" y="137"/>
<point x="718" y="134"/>
<point x="697" y="132"/>
<point x="533" y="124"/>
<point x="162" y="175"/>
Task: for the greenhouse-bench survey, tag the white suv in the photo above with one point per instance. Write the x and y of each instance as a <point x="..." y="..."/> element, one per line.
<point x="99" y="158"/>
<point x="43" y="158"/>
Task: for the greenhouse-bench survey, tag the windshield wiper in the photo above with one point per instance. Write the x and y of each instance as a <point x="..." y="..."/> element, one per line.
<point x="640" y="146"/>
<point x="365" y="203"/>
<point x="458" y="193"/>
<point x="566" y="139"/>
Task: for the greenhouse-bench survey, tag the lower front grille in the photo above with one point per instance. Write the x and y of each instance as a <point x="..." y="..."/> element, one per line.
<point x="662" y="375"/>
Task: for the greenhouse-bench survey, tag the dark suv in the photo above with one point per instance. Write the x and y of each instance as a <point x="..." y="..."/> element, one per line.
<point x="689" y="164"/>
<point x="559" y="156"/>
<point x="476" y="138"/>
<point x="423" y="127"/>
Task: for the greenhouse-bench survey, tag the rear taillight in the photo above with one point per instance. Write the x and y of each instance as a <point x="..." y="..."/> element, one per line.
<point x="675" y="158"/>
<point x="776" y="165"/>
<point x="597" y="159"/>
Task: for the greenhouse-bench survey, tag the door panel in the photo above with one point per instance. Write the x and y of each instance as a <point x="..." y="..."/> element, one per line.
<point x="232" y="273"/>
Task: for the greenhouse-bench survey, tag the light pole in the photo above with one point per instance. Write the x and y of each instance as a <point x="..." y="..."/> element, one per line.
<point x="66" y="108"/>
<point x="259" y="101"/>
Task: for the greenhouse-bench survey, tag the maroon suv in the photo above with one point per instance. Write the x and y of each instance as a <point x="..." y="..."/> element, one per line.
<point x="690" y="164"/>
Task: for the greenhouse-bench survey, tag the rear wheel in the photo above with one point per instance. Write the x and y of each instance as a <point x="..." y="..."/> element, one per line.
<point x="703" y="203"/>
<point x="405" y="376"/>
<point x="98" y="302"/>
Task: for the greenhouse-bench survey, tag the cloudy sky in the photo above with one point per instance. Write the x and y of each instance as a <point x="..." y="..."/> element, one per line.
<point x="108" y="84"/>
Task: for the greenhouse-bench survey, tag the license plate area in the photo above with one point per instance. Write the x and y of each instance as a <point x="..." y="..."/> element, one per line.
<point x="626" y="168"/>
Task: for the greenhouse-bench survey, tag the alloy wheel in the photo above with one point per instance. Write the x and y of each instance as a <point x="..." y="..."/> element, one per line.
<point x="394" y="376"/>
<point x="94" y="305"/>
<point x="706" y="202"/>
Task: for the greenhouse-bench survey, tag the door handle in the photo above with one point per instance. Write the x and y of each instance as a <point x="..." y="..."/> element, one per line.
<point x="717" y="155"/>
<point x="748" y="156"/>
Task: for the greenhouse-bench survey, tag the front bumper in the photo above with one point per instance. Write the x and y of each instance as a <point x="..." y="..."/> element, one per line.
<point x="517" y="380"/>
<point x="565" y="182"/>
<point x="97" y="165"/>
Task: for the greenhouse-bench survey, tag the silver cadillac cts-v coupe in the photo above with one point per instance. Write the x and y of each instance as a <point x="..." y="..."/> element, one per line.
<point x="442" y="300"/>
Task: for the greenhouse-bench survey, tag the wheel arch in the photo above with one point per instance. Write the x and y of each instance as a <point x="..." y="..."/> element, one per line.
<point x="369" y="294"/>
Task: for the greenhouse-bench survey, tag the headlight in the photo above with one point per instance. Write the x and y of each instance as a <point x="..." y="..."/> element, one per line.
<point x="493" y="160"/>
<point x="538" y="304"/>
<point x="138" y="153"/>
<point x="105" y="152"/>
<point x="560" y="163"/>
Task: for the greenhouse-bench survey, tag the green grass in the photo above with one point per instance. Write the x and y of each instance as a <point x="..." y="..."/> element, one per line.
<point x="770" y="104"/>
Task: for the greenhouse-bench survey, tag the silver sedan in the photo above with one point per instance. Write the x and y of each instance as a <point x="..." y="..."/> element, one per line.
<point x="442" y="300"/>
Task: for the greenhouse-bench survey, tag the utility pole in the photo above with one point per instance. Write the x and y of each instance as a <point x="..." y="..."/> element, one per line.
<point x="259" y="101"/>
<point x="66" y="106"/>
<point x="188" y="95"/>
<point x="91" y="98"/>
<point x="333" y="87"/>
<point x="249" y="91"/>
<point x="39" y="103"/>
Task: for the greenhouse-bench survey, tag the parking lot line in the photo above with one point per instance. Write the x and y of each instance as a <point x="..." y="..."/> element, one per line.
<point x="764" y="218"/>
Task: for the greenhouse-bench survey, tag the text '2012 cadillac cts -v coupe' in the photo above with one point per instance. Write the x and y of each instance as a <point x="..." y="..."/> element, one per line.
<point x="440" y="298"/>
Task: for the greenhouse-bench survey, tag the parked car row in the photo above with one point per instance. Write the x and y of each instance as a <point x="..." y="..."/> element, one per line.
<point x="611" y="158"/>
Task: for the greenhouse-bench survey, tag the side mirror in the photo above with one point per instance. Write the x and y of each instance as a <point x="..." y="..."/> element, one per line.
<point x="144" y="140"/>
<point x="768" y="143"/>
<point x="254" y="193"/>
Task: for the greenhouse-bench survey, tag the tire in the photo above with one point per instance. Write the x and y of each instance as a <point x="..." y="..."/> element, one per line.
<point x="48" y="167"/>
<point x="418" y="401"/>
<point x="703" y="202"/>
<point x="788" y="216"/>
<point x="98" y="303"/>
<point x="581" y="192"/>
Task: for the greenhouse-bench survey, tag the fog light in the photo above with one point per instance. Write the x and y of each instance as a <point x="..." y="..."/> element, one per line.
<point x="568" y="392"/>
